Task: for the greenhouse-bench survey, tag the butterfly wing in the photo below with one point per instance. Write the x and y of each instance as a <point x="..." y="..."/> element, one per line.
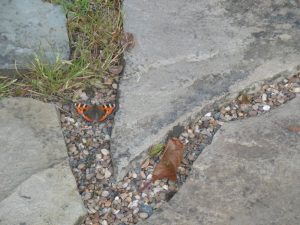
<point x="108" y="109"/>
<point x="82" y="109"/>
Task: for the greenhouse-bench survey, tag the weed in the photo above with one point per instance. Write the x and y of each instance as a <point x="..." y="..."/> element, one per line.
<point x="54" y="79"/>
<point x="5" y="84"/>
<point x="94" y="28"/>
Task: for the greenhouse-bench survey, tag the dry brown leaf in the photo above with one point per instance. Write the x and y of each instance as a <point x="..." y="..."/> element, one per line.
<point x="127" y="41"/>
<point x="145" y="164"/>
<point x="244" y="99"/>
<point x="295" y="128"/>
<point x="170" y="161"/>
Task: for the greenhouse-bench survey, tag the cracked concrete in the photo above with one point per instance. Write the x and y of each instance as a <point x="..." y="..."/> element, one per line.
<point x="37" y="185"/>
<point x="239" y="181"/>
<point x="189" y="54"/>
<point x="29" y="28"/>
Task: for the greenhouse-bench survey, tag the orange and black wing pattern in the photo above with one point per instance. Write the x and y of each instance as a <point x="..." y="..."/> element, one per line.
<point x="87" y="111"/>
<point x="108" y="109"/>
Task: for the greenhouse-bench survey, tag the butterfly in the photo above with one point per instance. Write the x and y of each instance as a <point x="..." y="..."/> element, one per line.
<point x="93" y="113"/>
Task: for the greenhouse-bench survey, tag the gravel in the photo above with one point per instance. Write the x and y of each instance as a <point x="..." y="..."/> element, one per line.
<point x="135" y="198"/>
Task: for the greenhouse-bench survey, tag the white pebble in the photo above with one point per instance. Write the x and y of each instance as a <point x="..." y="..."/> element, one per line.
<point x="116" y="211"/>
<point x="70" y="120"/>
<point x="114" y="86"/>
<point x="166" y="187"/>
<point x="135" y="211"/>
<point x="208" y="114"/>
<point x="144" y="195"/>
<point x="133" y="204"/>
<point x="125" y="185"/>
<point x="104" y="222"/>
<point x="137" y="197"/>
<point x="86" y="152"/>
<point x="149" y="177"/>
<point x="98" y="157"/>
<point x="134" y="175"/>
<point x="264" y="97"/>
<point x="105" y="194"/>
<point x="84" y="96"/>
<point x="156" y="183"/>
<point x="227" y="108"/>
<point x="104" y="151"/>
<point x="143" y="215"/>
<point x="296" y="90"/>
<point x="266" y="107"/>
<point x="81" y="166"/>
<point x="107" y="174"/>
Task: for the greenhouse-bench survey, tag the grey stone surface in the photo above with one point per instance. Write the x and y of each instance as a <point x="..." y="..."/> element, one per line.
<point x="250" y="174"/>
<point x="37" y="185"/>
<point x="188" y="54"/>
<point x="31" y="27"/>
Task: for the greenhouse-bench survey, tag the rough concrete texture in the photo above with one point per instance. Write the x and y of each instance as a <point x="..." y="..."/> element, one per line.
<point x="191" y="53"/>
<point x="248" y="175"/>
<point x="37" y="185"/>
<point x="31" y="27"/>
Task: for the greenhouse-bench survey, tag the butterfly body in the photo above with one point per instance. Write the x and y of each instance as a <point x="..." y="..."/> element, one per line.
<point x="94" y="113"/>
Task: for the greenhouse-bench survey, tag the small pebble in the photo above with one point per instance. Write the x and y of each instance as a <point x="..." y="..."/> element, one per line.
<point x="104" y="151"/>
<point x="166" y="187"/>
<point x="105" y="194"/>
<point x="149" y="177"/>
<point x="135" y="211"/>
<point x="266" y="107"/>
<point x="104" y="222"/>
<point x="84" y="96"/>
<point x="146" y="209"/>
<point x="73" y="149"/>
<point x="296" y="90"/>
<point x="227" y="108"/>
<point x="107" y="174"/>
<point x="208" y="114"/>
<point x="252" y="113"/>
<point x="81" y="166"/>
<point x="134" y="175"/>
<point x="255" y="107"/>
<point x="143" y="215"/>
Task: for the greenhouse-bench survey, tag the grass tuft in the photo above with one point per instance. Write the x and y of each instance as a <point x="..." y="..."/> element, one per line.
<point x="5" y="85"/>
<point x="95" y="32"/>
<point x="54" y="79"/>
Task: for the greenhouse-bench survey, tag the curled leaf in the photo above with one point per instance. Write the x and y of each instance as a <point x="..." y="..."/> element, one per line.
<point x="170" y="161"/>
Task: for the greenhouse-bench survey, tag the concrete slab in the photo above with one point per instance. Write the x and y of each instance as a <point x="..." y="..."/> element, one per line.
<point x="188" y="54"/>
<point x="31" y="27"/>
<point x="248" y="175"/>
<point x="37" y="185"/>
